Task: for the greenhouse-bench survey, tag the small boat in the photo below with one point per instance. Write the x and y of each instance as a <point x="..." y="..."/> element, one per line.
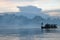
<point x="49" y="26"/>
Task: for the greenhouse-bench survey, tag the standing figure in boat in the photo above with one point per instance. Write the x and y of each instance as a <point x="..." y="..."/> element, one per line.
<point x="42" y="24"/>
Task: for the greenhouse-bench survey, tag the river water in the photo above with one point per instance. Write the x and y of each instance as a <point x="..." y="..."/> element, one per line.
<point x="30" y="34"/>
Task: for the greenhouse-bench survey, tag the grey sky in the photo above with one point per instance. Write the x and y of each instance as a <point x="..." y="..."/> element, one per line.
<point x="11" y="5"/>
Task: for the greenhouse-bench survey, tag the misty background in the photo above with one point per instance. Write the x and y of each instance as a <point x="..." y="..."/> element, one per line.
<point x="28" y="17"/>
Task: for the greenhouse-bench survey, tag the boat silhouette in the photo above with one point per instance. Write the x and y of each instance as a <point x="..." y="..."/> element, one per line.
<point x="49" y="26"/>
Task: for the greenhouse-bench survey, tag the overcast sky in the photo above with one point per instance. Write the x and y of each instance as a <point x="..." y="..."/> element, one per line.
<point x="11" y="5"/>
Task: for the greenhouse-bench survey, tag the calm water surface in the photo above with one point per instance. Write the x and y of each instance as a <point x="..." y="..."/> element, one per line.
<point x="29" y="34"/>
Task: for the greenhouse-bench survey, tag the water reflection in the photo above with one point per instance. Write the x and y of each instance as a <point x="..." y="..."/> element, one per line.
<point x="31" y="34"/>
<point x="38" y="31"/>
<point x="50" y="31"/>
<point x="37" y="34"/>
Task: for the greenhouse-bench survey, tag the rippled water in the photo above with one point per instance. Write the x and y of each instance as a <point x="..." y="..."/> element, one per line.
<point x="30" y="34"/>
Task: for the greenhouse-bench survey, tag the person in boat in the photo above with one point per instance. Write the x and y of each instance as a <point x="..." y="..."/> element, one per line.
<point x="49" y="26"/>
<point x="46" y="26"/>
<point x="42" y="24"/>
<point x="53" y="26"/>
